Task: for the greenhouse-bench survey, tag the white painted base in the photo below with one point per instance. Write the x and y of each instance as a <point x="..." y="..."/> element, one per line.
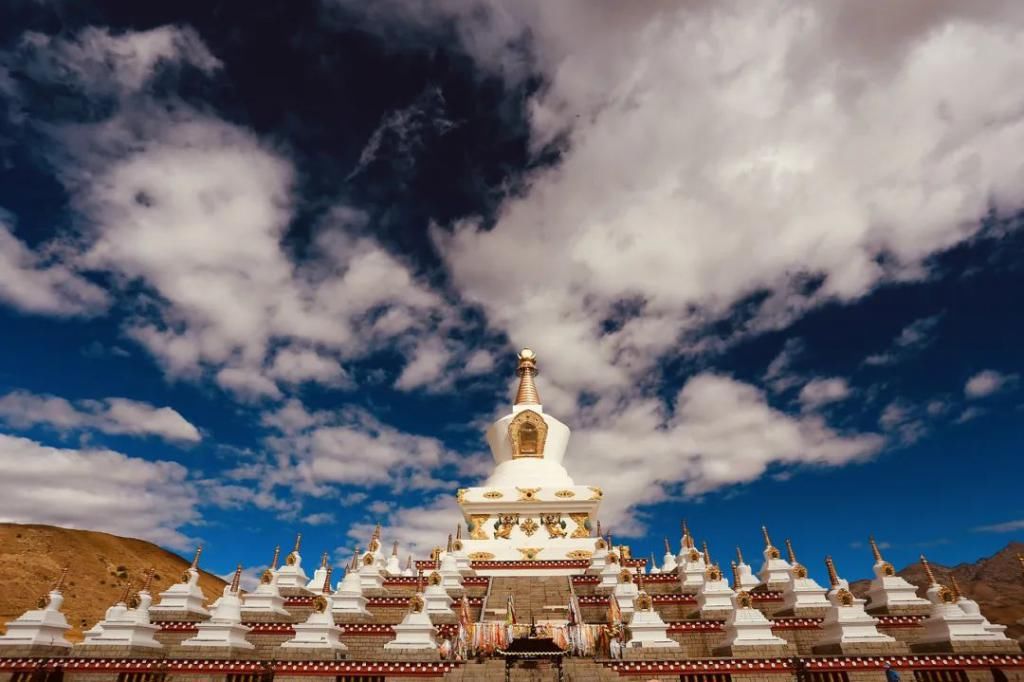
<point x="414" y="632"/>
<point x="45" y="627"/>
<point x="649" y="631"/>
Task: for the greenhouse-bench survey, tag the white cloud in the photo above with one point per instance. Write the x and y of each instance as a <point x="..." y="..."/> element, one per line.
<point x="23" y="410"/>
<point x="818" y="392"/>
<point x="417" y="529"/>
<point x="318" y="519"/>
<point x="913" y="337"/>
<point x="96" y="490"/>
<point x="32" y="282"/>
<point x="902" y="420"/>
<point x="1004" y="527"/>
<point x="987" y="382"/>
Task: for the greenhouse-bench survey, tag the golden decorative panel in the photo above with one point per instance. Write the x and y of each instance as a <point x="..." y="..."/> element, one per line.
<point x="530" y="553"/>
<point x="493" y="495"/>
<point x="581" y="521"/>
<point x="477" y="529"/>
<point x="460" y="494"/>
<point x="481" y="556"/>
<point x="528" y="494"/>
<point x="644" y="602"/>
<point x="504" y="526"/>
<point x="554" y="525"/>
<point x="598" y="493"/>
<point x="529" y="526"/>
<point x="565" y="493"/>
<point x="435" y="578"/>
<point x="528" y="432"/>
<point x="320" y="603"/>
<point x="625" y="576"/>
<point x="744" y="600"/>
<point x="579" y="554"/>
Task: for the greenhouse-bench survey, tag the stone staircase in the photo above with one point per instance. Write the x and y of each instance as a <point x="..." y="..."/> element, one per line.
<point x="493" y="670"/>
<point x="536" y="598"/>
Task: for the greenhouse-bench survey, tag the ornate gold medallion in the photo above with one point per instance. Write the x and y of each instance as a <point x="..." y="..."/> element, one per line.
<point x="528" y="494"/>
<point x="530" y="553"/>
<point x="579" y="554"/>
<point x="529" y="526"/>
<point x="598" y="493"/>
<point x="565" y="493"/>
<point x="528" y="432"/>
<point x="481" y="556"/>
<point x="477" y="524"/>
<point x="493" y="495"/>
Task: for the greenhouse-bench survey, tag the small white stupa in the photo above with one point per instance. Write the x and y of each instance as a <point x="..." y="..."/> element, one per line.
<point x="747" y="579"/>
<point x="291" y="577"/>
<point x="746" y="629"/>
<point x="888" y="592"/>
<point x="126" y="624"/>
<point x="436" y="601"/>
<point x="317" y="581"/>
<point x="393" y="567"/>
<point x="655" y="569"/>
<point x="224" y="629"/>
<point x="949" y="628"/>
<point x="692" y="564"/>
<point x="39" y="632"/>
<point x="451" y="576"/>
<point x="349" y="599"/>
<point x="266" y="599"/>
<point x="610" y="572"/>
<point x="625" y="591"/>
<point x="600" y="555"/>
<point x="972" y="608"/>
<point x="668" y="561"/>
<point x="319" y="631"/>
<point x="775" y="571"/>
<point x="646" y="628"/>
<point x="408" y="571"/>
<point x="714" y="598"/>
<point x="415" y="632"/>
<point x="183" y="600"/>
<point x="848" y="629"/>
<point x="371" y="566"/>
<point x="802" y="595"/>
<point x="458" y="550"/>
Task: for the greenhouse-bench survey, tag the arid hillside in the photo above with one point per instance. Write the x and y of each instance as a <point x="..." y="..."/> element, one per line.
<point x="31" y="558"/>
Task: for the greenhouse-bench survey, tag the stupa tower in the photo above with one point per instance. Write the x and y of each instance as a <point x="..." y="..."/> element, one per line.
<point x="529" y="509"/>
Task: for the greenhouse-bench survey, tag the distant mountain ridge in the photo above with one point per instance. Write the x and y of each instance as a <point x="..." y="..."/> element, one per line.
<point x="32" y="556"/>
<point x="995" y="582"/>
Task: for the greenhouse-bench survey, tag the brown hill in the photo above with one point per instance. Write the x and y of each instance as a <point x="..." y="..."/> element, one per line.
<point x="995" y="582"/>
<point x="31" y="558"/>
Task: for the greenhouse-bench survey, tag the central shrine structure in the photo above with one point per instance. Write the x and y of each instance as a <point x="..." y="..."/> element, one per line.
<point x="529" y="509"/>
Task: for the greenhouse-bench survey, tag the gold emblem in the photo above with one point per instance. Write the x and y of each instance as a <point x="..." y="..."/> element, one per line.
<point x="694" y="555"/>
<point x="644" y="602"/>
<point x="367" y="559"/>
<point x="267" y="577"/>
<point x="435" y="578"/>
<point x="528" y="431"/>
<point x="799" y="571"/>
<point x="528" y="494"/>
<point x="600" y="544"/>
<point x="186" y="576"/>
<point x="625" y="576"/>
<point x="554" y="525"/>
<point x="481" y="556"/>
<point x="530" y="553"/>
<point x="291" y="558"/>
<point x="744" y="600"/>
<point x="773" y="553"/>
<point x="457" y="545"/>
<point x="579" y="554"/>
<point x="598" y="493"/>
<point x="845" y="597"/>
<point x="319" y="603"/>
<point x="713" y="573"/>
<point x="460" y="494"/>
<point x="888" y="569"/>
<point x="565" y="493"/>
<point x="946" y="595"/>
<point x="476" y="527"/>
<point x="493" y="495"/>
<point x="416" y="603"/>
<point x="504" y="525"/>
<point x="581" y="521"/>
<point x="43" y="602"/>
<point x="613" y="558"/>
<point x="529" y="526"/>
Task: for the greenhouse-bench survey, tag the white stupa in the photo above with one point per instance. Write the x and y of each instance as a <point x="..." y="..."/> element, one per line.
<point x="319" y="631"/>
<point x="41" y="631"/>
<point x="647" y="630"/>
<point x="317" y="581"/>
<point x="436" y="601"/>
<point x="668" y="561"/>
<point x="972" y="608"/>
<point x="745" y="575"/>
<point x="371" y="564"/>
<point x="890" y="593"/>
<point x="348" y="599"/>
<point x="714" y="598"/>
<point x="266" y="599"/>
<point x="448" y="567"/>
<point x="224" y="629"/>
<point x="610" y="572"/>
<point x="848" y="629"/>
<point x="393" y="567"/>
<point x="126" y="623"/>
<point x="948" y="627"/>
<point x="691" y="564"/>
<point x="458" y="551"/>
<point x="655" y="569"/>
<point x="415" y="632"/>
<point x="529" y="508"/>
<point x="775" y="571"/>
<point x="625" y="591"/>
<point x="291" y="576"/>
<point x="599" y="556"/>
<point x="183" y="600"/>
<point x="802" y="595"/>
<point x="408" y="571"/>
<point x="746" y="628"/>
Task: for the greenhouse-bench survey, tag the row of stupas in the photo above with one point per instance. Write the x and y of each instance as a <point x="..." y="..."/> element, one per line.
<point x="534" y="546"/>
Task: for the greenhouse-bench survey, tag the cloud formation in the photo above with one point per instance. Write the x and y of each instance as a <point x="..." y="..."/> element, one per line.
<point x="987" y="382"/>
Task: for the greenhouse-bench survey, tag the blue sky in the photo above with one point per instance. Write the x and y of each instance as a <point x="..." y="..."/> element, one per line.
<point x="264" y="272"/>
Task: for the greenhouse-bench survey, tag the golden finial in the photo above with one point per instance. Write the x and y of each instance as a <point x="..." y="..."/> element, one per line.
<point x="739" y="554"/>
<point x="408" y="561"/>
<point x="611" y="545"/>
<point x="707" y="554"/>
<point x="277" y="555"/>
<point x="236" y="581"/>
<point x="394" y="549"/>
<point x="376" y="531"/>
<point x="195" y="559"/>
<point x="735" y="575"/>
<point x="449" y="548"/>
<point x="59" y="585"/>
<point x="419" y="581"/>
<point x="127" y="591"/>
<point x="458" y="531"/>
<point x="640" y="581"/>
<point x="355" y="556"/>
<point x="767" y="540"/>
<point x="327" y="580"/>
<point x="599" y="535"/>
<point x="668" y="547"/>
<point x="323" y="560"/>
<point x="928" y="571"/>
<point x="874" y="548"/>
<point x="298" y="542"/>
<point x="687" y="538"/>
<point x="148" y="581"/>
<point x="790" y="553"/>
<point x="833" y="577"/>
<point x="957" y="594"/>
<point x="527" y="369"/>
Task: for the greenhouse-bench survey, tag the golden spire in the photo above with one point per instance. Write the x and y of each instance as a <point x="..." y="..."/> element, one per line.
<point x="148" y="581"/>
<point x="767" y="540"/>
<point x="957" y="594"/>
<point x="376" y="531"/>
<point x="928" y="571"/>
<point x="458" y="532"/>
<point x="355" y="557"/>
<point x="599" y="535"/>
<point x="127" y="591"/>
<point x="874" y="548"/>
<point x="298" y="542"/>
<point x="527" y="370"/>
<point x="277" y="555"/>
<point x="327" y="580"/>
<point x="833" y="577"/>
<point x="195" y="559"/>
<point x="735" y="575"/>
<point x="323" y="560"/>
<point x="59" y="585"/>
<point x="790" y="553"/>
<point x="687" y="538"/>
<point x="739" y="554"/>
<point x="449" y="548"/>
<point x="707" y="554"/>
<point x="408" y="561"/>
<point x="237" y="579"/>
<point x="394" y="549"/>
<point x="668" y="547"/>
<point x="653" y="565"/>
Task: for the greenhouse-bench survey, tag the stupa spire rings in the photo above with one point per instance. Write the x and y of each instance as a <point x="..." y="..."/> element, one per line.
<point x="707" y="554"/>
<point x="767" y="539"/>
<point x="277" y="555"/>
<point x="195" y="559"/>
<point x="833" y="577"/>
<point x="327" y="579"/>
<point x="928" y="571"/>
<point x="735" y="575"/>
<point x="526" y="371"/>
<point x="874" y="548"/>
<point x="668" y="547"/>
<point x="323" y="560"/>
<point x="148" y="581"/>
<point x="955" y="587"/>
<point x="59" y="585"/>
<point x="789" y="552"/>
<point x="124" y="595"/>
<point x="739" y="554"/>
<point x="298" y="542"/>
